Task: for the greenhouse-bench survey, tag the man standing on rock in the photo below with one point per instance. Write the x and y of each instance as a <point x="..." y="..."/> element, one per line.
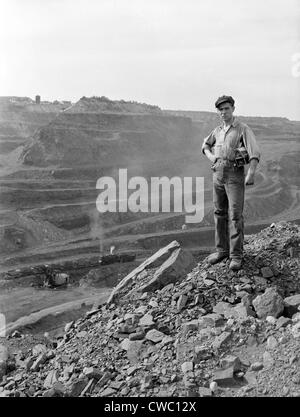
<point x="229" y="180"/>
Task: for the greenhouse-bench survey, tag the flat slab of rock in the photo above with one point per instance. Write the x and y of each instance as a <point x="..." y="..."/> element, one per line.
<point x="155" y="336"/>
<point x="270" y="303"/>
<point x="154" y="261"/>
<point x="224" y="377"/>
<point x="175" y="268"/>
<point x="221" y="340"/>
<point x="223" y="308"/>
<point x="146" y="320"/>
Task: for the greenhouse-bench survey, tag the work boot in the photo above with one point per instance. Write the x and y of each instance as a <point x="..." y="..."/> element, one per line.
<point x="216" y="257"/>
<point x="235" y="264"/>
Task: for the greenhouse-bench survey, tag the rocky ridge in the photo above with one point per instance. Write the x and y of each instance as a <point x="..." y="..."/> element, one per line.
<point x="174" y="329"/>
<point x="103" y="104"/>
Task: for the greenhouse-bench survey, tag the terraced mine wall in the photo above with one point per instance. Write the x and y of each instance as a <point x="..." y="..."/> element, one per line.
<point x="108" y="140"/>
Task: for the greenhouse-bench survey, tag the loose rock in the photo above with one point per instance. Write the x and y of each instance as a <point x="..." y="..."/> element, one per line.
<point x="291" y="304"/>
<point x="268" y="304"/>
<point x="155" y="336"/>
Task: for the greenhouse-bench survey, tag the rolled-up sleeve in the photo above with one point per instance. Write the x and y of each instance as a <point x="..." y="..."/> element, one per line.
<point x="251" y="143"/>
<point x="209" y="141"/>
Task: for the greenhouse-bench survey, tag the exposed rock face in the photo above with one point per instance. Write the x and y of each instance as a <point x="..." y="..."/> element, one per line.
<point x="98" y="133"/>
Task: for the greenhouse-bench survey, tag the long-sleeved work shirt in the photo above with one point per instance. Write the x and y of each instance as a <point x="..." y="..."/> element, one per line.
<point x="223" y="141"/>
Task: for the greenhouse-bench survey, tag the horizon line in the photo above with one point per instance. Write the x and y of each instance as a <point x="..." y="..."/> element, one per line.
<point x="140" y="102"/>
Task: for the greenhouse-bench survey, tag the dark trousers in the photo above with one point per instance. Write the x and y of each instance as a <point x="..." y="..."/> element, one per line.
<point x="228" y="198"/>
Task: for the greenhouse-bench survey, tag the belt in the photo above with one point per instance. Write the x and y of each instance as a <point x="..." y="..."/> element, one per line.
<point x="224" y="162"/>
<point x="227" y="159"/>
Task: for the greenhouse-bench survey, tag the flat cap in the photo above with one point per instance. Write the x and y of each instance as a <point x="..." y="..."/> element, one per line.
<point x="224" y="99"/>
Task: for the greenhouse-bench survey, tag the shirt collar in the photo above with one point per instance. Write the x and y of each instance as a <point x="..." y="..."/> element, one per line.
<point x="233" y="124"/>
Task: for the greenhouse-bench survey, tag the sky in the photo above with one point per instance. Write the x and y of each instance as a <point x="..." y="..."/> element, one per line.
<point x="177" y="54"/>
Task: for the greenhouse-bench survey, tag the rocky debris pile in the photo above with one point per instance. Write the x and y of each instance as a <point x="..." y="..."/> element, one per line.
<point x="211" y="332"/>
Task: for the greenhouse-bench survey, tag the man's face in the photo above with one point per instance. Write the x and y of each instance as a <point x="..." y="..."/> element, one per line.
<point x="225" y="111"/>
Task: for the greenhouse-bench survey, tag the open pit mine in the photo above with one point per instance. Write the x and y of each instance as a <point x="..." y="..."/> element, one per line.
<point x="123" y="303"/>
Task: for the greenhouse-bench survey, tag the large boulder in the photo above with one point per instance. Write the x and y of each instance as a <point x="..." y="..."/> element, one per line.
<point x="270" y="303"/>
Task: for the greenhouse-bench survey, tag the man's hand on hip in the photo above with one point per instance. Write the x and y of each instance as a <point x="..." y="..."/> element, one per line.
<point x="251" y="172"/>
<point x="249" y="178"/>
<point x="210" y="156"/>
